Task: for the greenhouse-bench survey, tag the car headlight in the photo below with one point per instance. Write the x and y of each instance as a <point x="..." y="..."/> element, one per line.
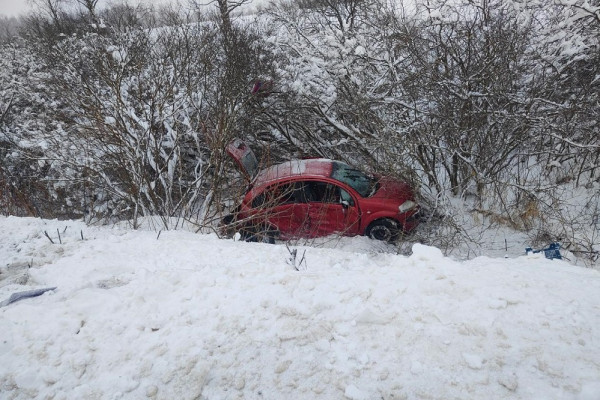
<point x="406" y="206"/>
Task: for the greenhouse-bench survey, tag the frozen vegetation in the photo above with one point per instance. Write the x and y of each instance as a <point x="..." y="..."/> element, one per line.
<point x="113" y="180"/>
<point x="490" y="110"/>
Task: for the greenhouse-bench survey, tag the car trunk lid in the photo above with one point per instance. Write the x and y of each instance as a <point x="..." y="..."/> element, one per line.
<point x="244" y="158"/>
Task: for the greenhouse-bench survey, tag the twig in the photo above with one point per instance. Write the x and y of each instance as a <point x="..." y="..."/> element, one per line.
<point x="59" y="239"/>
<point x="159" y="232"/>
<point x="49" y="238"/>
<point x="81" y="234"/>
<point x="303" y="260"/>
<point x="292" y="260"/>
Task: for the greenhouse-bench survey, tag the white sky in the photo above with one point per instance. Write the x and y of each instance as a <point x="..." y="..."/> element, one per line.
<point x="19" y="7"/>
<point x="12" y="8"/>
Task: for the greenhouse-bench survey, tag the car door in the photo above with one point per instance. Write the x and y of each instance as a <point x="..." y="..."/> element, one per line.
<point x="285" y="207"/>
<point x="331" y="209"/>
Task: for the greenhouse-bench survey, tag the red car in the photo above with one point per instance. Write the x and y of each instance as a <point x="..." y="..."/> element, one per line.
<point x="318" y="197"/>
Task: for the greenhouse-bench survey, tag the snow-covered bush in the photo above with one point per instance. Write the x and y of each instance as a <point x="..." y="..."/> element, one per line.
<point x="455" y="96"/>
<point x="489" y="109"/>
<point x="140" y="117"/>
<point x="25" y="187"/>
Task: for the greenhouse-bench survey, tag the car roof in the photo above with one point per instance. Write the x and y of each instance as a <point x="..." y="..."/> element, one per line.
<point x="311" y="168"/>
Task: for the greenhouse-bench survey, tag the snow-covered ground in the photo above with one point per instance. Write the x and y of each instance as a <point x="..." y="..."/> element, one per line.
<point x="188" y="316"/>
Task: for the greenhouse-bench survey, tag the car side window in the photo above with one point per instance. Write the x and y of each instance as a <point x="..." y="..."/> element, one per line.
<point x="345" y="196"/>
<point x="302" y="192"/>
<point x="259" y="200"/>
<point x="276" y="195"/>
<point x="324" y="192"/>
<point x="283" y="194"/>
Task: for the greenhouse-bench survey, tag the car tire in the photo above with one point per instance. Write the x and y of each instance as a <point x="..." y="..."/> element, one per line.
<point x="383" y="229"/>
<point x="259" y="234"/>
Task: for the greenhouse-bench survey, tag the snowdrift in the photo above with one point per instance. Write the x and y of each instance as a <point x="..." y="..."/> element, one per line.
<point x="185" y="316"/>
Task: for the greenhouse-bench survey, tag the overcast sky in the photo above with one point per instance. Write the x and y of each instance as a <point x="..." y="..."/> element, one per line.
<point x="18" y="7"/>
<point x="12" y="8"/>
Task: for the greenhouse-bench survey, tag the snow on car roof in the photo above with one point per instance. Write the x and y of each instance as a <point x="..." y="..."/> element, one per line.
<point x="314" y="167"/>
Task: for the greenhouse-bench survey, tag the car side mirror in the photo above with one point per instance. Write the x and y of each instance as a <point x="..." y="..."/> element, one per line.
<point x="345" y="203"/>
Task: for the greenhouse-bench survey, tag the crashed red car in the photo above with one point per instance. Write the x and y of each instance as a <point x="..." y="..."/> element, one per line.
<point x="318" y="197"/>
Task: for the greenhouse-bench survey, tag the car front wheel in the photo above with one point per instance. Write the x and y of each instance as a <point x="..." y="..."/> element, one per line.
<point x="383" y="229"/>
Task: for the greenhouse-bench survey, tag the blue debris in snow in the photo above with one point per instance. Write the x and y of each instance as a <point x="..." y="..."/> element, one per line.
<point x="25" y="295"/>
<point x="551" y="252"/>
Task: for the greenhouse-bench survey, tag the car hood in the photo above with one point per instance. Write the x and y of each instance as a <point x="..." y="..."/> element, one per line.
<point x="390" y="188"/>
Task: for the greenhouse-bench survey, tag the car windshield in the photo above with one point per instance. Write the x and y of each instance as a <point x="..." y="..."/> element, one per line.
<point x="354" y="178"/>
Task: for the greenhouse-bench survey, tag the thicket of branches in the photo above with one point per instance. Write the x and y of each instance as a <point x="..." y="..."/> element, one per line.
<point x="125" y="112"/>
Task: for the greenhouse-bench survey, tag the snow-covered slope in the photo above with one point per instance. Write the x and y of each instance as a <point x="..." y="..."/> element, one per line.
<point x="189" y="316"/>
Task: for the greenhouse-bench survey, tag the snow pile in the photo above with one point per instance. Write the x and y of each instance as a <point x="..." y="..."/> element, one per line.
<point x="187" y="316"/>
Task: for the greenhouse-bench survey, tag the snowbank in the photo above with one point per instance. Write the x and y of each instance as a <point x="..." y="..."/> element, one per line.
<point x="189" y="316"/>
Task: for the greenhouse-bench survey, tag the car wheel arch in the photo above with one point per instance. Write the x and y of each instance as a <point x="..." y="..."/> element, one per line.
<point x="367" y="217"/>
<point x="388" y="229"/>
